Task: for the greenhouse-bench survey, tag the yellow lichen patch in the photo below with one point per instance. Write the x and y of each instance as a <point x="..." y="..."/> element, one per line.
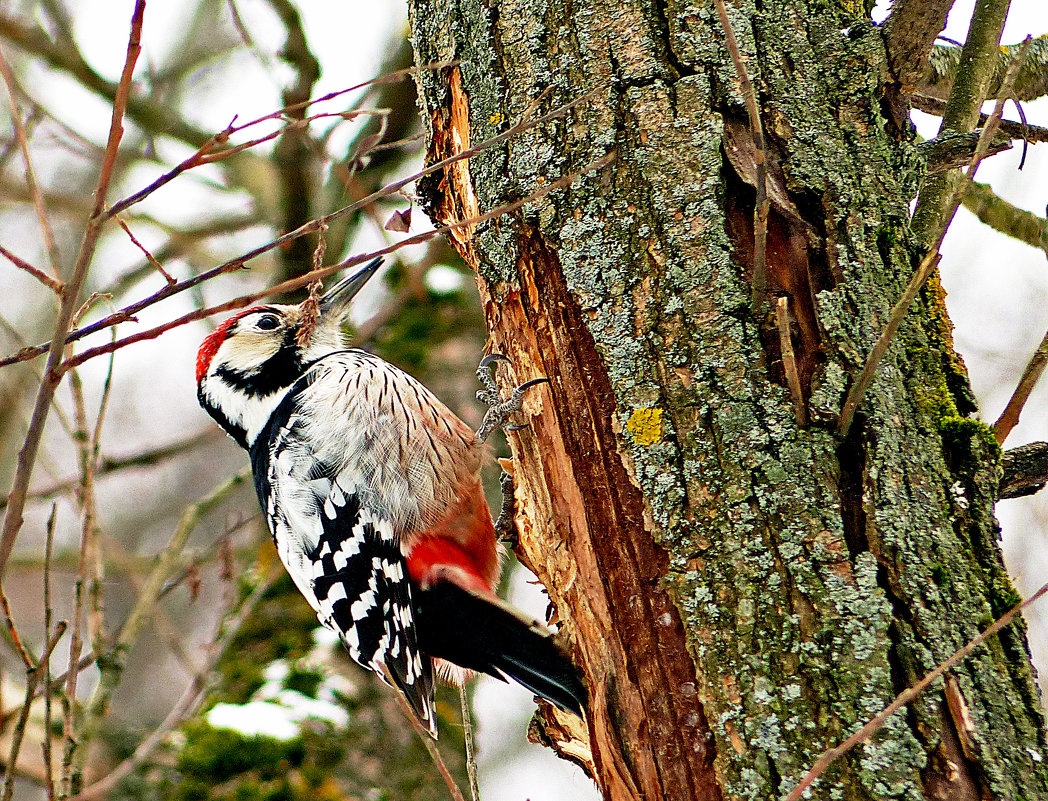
<point x="645" y="425"/>
<point x="496" y="118"/>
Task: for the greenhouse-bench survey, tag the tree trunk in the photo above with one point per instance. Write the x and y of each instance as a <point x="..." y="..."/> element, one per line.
<point x="740" y="591"/>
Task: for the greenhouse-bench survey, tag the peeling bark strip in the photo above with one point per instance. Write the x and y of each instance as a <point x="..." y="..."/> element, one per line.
<point x="741" y="592"/>
<point x="648" y="734"/>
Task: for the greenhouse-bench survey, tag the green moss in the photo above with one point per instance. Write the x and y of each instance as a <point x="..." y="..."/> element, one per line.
<point x="222" y="754"/>
<point x="303" y="680"/>
<point x="940" y="575"/>
<point x="967" y="443"/>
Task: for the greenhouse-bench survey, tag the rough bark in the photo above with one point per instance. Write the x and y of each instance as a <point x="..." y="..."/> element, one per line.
<point x="740" y="593"/>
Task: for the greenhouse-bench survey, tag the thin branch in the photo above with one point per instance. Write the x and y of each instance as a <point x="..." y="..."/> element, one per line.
<point x="467" y="735"/>
<point x="895" y="318"/>
<point x="112" y="464"/>
<point x="427" y="741"/>
<point x="18" y="734"/>
<point x="907" y="696"/>
<point x="128" y="312"/>
<point x="185" y="705"/>
<point x="12" y="632"/>
<point x="52" y="375"/>
<point x="39" y="275"/>
<point x="930" y="260"/>
<point x="1010" y="416"/>
<point x="789" y="361"/>
<point x="149" y="256"/>
<point x="48" y="614"/>
<point x="307" y="278"/>
<point x="763" y="202"/>
<point x="30" y="175"/>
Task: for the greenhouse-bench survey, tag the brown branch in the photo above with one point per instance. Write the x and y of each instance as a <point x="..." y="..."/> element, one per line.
<point x="427" y="741"/>
<point x="1024" y="470"/>
<point x="50" y="245"/>
<point x="128" y="312"/>
<point x="307" y="278"/>
<point x="39" y="275"/>
<point x="929" y="262"/>
<point x="1010" y="416"/>
<point x="191" y="697"/>
<point x="895" y="318"/>
<point x="149" y="256"/>
<point x="48" y="614"/>
<point x="763" y="203"/>
<point x="1016" y="130"/>
<point x="12" y="631"/>
<point x="52" y="374"/>
<point x="906" y="697"/>
<point x="32" y="679"/>
<point x="789" y="361"/>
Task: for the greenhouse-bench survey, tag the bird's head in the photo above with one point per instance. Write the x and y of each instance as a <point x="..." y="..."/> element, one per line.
<point x="246" y="365"/>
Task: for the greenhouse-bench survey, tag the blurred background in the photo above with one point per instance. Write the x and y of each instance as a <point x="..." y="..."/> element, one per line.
<point x="288" y="715"/>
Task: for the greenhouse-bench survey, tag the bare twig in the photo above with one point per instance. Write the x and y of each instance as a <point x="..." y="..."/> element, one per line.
<point x="763" y="203"/>
<point x="907" y="696"/>
<point x="307" y="278"/>
<point x="39" y="275"/>
<point x="128" y="312"/>
<point x="46" y="663"/>
<point x="185" y="705"/>
<point x="1010" y="416"/>
<point x="789" y="361"/>
<point x="149" y="256"/>
<point x="895" y="318"/>
<point x="930" y="260"/>
<point x="112" y="464"/>
<point x="52" y="374"/>
<point x="467" y="735"/>
<point x="427" y="741"/>
<point x="12" y="631"/>
<point x="30" y="175"/>
<point x="32" y="679"/>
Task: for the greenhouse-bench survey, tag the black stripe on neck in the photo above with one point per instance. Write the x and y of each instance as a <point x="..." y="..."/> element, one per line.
<point x="280" y="370"/>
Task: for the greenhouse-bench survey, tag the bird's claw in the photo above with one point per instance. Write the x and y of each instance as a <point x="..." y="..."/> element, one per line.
<point x="499" y="410"/>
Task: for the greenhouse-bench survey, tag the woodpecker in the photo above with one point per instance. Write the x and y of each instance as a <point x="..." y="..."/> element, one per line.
<point x="371" y="489"/>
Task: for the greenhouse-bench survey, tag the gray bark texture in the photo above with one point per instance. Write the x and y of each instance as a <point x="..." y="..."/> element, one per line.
<point x="739" y="592"/>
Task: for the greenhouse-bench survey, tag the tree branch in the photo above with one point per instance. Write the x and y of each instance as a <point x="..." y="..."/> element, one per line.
<point x="944" y="61"/>
<point x="52" y="375"/>
<point x="1025" y="470"/>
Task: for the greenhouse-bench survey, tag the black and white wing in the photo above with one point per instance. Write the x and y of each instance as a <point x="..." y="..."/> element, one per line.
<point x="342" y="552"/>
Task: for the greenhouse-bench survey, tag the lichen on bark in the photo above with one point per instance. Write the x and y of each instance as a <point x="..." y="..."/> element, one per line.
<point x="798" y="579"/>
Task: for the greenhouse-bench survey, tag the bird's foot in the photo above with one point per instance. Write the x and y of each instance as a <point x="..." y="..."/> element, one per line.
<point x="499" y="411"/>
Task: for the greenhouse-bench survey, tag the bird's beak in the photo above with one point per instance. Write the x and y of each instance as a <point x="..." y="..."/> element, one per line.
<point x="336" y="300"/>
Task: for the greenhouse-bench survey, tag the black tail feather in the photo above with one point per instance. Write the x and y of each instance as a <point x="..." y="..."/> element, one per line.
<point x="486" y="636"/>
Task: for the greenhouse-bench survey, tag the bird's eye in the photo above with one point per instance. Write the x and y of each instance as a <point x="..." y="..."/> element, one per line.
<point x="267" y="322"/>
